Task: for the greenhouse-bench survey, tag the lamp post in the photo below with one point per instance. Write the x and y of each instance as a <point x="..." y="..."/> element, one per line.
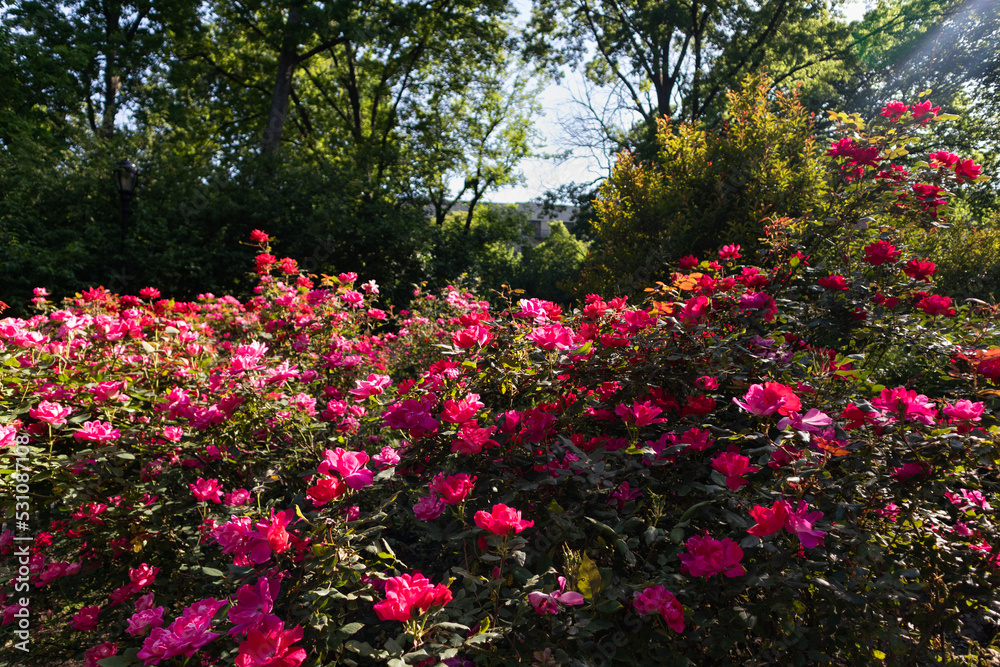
<point x="126" y="177"/>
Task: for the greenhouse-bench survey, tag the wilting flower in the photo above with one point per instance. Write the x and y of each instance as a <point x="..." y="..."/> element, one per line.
<point x="657" y="599"/>
<point x="547" y="603"/>
<point x="801" y="523"/>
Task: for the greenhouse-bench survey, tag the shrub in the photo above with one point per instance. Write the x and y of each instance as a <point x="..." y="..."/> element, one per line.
<point x="721" y="474"/>
<point x="707" y="184"/>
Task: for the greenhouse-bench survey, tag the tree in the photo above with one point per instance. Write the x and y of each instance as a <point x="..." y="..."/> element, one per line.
<point x="677" y="58"/>
<point x="478" y="138"/>
<point x="87" y="59"/>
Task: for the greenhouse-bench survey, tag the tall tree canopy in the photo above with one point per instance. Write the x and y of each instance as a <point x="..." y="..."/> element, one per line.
<point x="678" y="58"/>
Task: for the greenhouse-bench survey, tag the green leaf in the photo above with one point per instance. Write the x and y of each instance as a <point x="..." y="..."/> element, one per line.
<point x="350" y="628"/>
<point x="588" y="578"/>
<point x="212" y="572"/>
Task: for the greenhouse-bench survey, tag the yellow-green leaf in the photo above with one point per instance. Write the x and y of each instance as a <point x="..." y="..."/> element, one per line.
<point x="588" y="578"/>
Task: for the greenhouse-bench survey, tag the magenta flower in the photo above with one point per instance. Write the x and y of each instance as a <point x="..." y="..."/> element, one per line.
<point x="801" y="523"/>
<point x="386" y="458"/>
<point x="452" y="488"/>
<point x="142" y="576"/>
<point x="730" y="252"/>
<point x="768" y="398"/>
<point x="623" y="494"/>
<point x="85" y="619"/>
<point x="349" y="465"/>
<point x="107" y="391"/>
<point x="186" y="635"/>
<point x="50" y="413"/>
<point x="734" y="466"/>
<point x="910" y="470"/>
<point x="476" y="335"/>
<point x="373" y="386"/>
<point x="472" y="438"/>
<point x="901" y="404"/>
<point x="271" y="536"/>
<point x="547" y="603"/>
<point x="707" y="556"/>
<point x="146" y="619"/>
<point x="237" y="497"/>
<point x="552" y="337"/>
<point x="97" y="431"/>
<point x="407" y="594"/>
<point x="270" y="645"/>
<point x="253" y="604"/>
<point x="429" y="508"/>
<point x="95" y="654"/>
<point x="640" y="414"/>
<point x="769" y="521"/>
<point x="881" y="252"/>
<point x="658" y="600"/>
<point x="206" y="490"/>
<point x="459" y="412"/>
<point x="964" y="410"/>
<point x="502" y="520"/>
<point x="813" y="421"/>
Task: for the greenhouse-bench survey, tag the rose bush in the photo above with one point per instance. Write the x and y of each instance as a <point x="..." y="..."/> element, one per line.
<point x="303" y="478"/>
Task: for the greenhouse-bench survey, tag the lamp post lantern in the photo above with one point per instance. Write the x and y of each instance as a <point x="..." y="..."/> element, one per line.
<point x="126" y="178"/>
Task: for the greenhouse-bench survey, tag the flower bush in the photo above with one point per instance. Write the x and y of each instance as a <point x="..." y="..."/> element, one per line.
<point x="304" y="478"/>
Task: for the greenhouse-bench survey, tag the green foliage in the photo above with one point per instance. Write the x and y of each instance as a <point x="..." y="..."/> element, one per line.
<point x="486" y="250"/>
<point x="706" y="185"/>
<point x="551" y="267"/>
<point x="968" y="258"/>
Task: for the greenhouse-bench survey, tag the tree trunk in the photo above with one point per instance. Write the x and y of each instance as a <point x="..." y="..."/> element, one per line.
<point x="287" y="60"/>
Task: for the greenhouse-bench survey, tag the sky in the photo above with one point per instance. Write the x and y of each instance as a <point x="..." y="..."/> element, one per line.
<point x="559" y="105"/>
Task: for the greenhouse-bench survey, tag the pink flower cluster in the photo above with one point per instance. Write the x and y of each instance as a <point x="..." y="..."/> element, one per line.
<point x="707" y="556"/>
<point x="780" y="515"/>
<point x="658" y="600"/>
<point x="185" y="636"/>
<point x="407" y="596"/>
